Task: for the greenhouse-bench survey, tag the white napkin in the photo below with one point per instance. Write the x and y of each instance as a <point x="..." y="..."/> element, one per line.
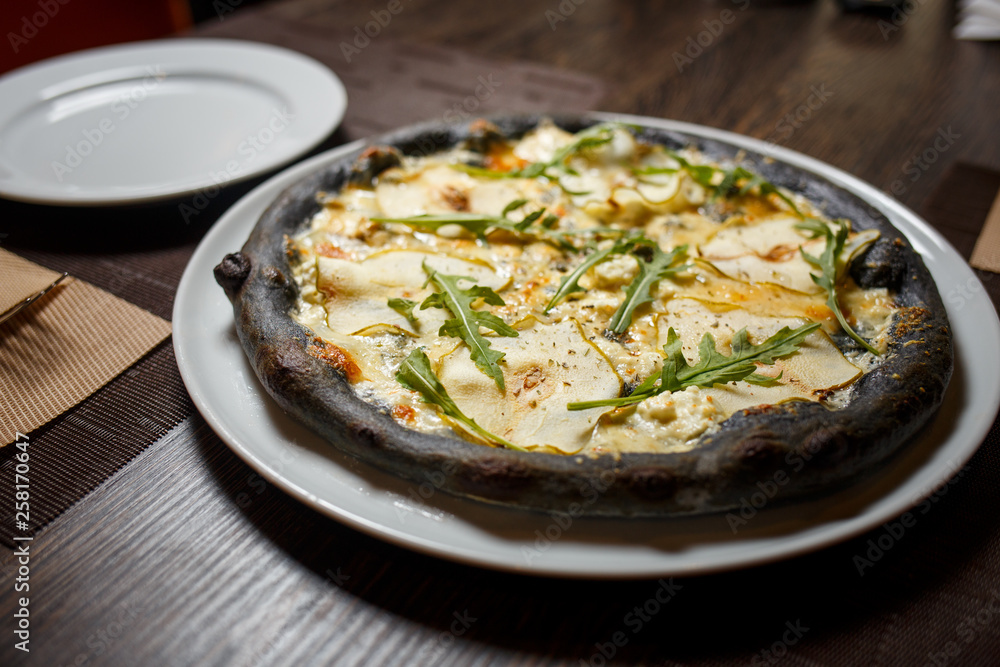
<point x="978" y="19"/>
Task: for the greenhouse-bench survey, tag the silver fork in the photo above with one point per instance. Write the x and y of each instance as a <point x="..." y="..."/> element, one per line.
<point x="15" y="309"/>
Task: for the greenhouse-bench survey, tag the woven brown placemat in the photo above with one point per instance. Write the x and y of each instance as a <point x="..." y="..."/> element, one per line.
<point x="65" y="346"/>
<point x="20" y="280"/>
<point x="85" y="445"/>
<point x="74" y="453"/>
<point x="139" y="253"/>
<point x="986" y="254"/>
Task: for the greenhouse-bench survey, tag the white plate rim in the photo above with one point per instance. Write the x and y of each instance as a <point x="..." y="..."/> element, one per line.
<point x="568" y="558"/>
<point x="319" y="114"/>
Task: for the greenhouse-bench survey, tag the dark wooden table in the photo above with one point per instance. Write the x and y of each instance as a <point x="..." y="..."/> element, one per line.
<point x="187" y="557"/>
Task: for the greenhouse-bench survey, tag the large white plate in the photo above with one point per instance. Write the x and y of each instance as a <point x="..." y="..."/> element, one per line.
<point x="414" y="515"/>
<point x="152" y="120"/>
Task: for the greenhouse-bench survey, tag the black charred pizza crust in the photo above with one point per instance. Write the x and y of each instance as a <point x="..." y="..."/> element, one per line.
<point x="821" y="450"/>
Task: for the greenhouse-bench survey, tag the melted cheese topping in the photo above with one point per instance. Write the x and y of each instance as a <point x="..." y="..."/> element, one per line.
<point x="745" y="270"/>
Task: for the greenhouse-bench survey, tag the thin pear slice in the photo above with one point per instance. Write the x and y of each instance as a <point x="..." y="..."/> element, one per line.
<point x="491" y="196"/>
<point x="808" y="374"/>
<point x="435" y="189"/>
<point x="793" y="273"/>
<point x="773" y="237"/>
<point x="658" y="188"/>
<point x="404" y="268"/>
<point x="355" y="302"/>
<point x="383" y="330"/>
<point x="659" y="193"/>
<point x="352" y="301"/>
<point x="854" y="246"/>
<point x="767" y="251"/>
<point x="626" y="203"/>
<point x="546" y="367"/>
<point x="542" y="144"/>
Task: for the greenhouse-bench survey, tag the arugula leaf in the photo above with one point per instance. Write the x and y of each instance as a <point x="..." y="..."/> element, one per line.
<point x="598" y="135"/>
<point x="513" y="206"/>
<point x="405" y="308"/>
<point x="465" y="321"/>
<point x="570" y="284"/>
<point x="763" y="380"/>
<point x="827" y="264"/>
<point x="416" y="375"/>
<point x="599" y="230"/>
<point x="650" y="171"/>
<point x="750" y="181"/>
<point x="480" y="223"/>
<point x="588" y="138"/>
<point x="483" y="172"/>
<point x="705" y="175"/>
<point x="528" y="220"/>
<point x="713" y="367"/>
<point x="637" y="293"/>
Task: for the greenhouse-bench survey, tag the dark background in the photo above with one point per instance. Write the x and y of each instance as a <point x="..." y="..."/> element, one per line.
<point x="71" y="25"/>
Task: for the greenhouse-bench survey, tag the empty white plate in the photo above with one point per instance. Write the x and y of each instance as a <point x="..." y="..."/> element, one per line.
<point x="153" y="120"/>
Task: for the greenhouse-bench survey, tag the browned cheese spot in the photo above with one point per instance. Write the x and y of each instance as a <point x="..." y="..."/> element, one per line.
<point x="337" y="357"/>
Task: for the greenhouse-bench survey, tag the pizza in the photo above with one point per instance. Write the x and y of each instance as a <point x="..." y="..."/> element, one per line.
<point x="565" y="313"/>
